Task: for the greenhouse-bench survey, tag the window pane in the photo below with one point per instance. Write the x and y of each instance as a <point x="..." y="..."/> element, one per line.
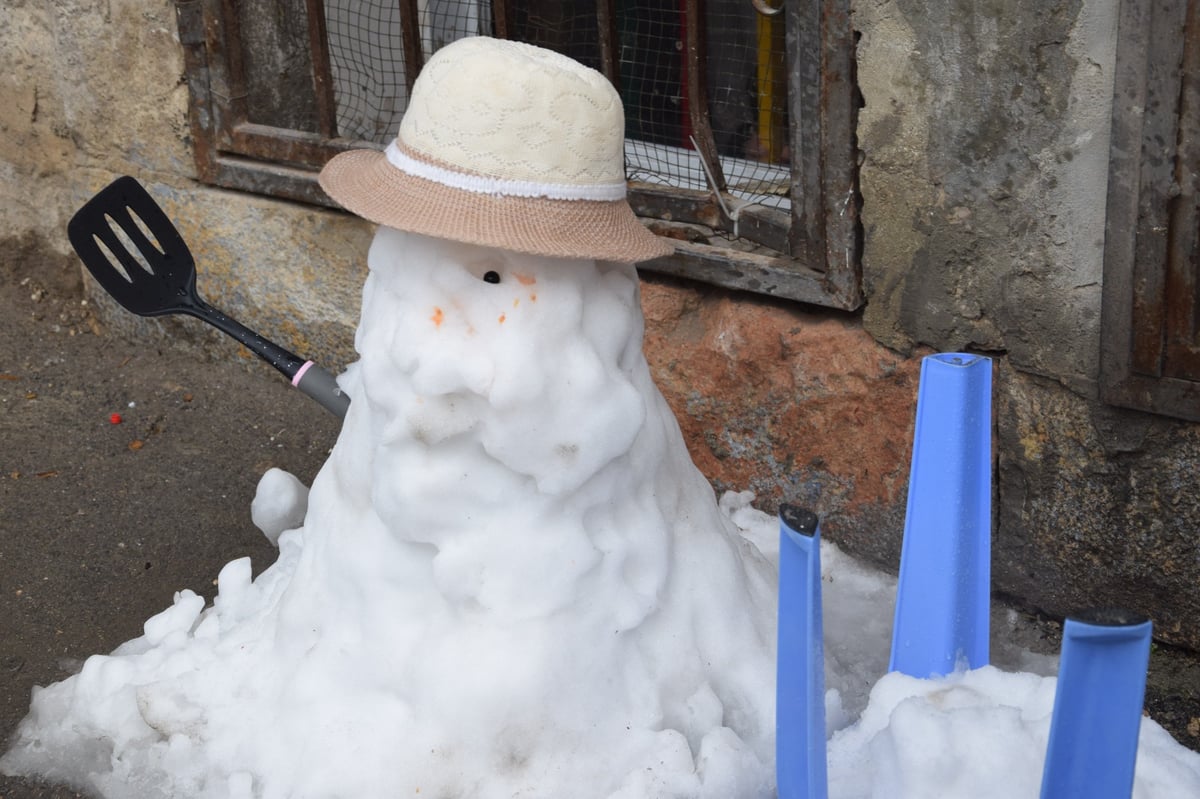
<point x="366" y="58"/>
<point x="746" y="83"/>
<point x="565" y="26"/>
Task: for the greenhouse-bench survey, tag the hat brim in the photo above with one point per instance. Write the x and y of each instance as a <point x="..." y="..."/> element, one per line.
<point x="365" y="183"/>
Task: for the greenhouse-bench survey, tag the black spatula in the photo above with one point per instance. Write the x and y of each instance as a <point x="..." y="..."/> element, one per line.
<point x="130" y="246"/>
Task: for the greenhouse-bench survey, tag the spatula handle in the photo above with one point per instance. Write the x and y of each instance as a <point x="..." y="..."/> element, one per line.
<point x="304" y="374"/>
<point x="287" y="362"/>
<point x="322" y="387"/>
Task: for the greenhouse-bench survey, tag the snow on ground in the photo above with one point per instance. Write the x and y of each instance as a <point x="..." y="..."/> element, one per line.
<point x="979" y="734"/>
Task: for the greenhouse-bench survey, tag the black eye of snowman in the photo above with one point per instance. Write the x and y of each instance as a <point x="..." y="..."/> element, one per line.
<point x="491" y="276"/>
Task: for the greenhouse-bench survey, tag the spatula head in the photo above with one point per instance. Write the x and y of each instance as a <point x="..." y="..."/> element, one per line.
<point x="130" y="246"/>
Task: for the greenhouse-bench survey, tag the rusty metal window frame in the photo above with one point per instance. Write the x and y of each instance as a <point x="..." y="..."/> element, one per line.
<point x="1150" y="321"/>
<point x="811" y="254"/>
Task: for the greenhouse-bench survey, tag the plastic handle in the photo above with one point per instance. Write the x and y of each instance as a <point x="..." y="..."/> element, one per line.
<point x="283" y="360"/>
<point x="800" y="753"/>
<point x="322" y="387"/>
<point x="1098" y="706"/>
<point x="943" y="599"/>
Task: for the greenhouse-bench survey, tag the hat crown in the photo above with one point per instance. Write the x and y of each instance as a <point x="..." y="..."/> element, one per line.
<point x="517" y="112"/>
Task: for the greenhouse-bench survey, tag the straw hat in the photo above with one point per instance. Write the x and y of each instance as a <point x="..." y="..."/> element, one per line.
<point x="507" y="145"/>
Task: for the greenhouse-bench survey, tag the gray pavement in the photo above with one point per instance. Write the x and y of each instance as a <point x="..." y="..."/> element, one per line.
<point x="101" y="523"/>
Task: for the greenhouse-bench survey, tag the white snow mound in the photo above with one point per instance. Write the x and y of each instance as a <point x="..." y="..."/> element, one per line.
<point x="510" y="580"/>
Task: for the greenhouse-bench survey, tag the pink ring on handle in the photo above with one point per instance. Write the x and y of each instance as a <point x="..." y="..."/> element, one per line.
<point x="300" y="373"/>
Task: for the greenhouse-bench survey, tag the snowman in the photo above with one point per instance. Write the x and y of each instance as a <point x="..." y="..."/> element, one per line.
<point x="509" y="579"/>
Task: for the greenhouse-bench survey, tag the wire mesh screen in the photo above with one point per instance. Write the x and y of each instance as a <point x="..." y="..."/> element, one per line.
<point x="741" y="53"/>
<point x="445" y="21"/>
<point x="367" y="58"/>
<point x="565" y="26"/>
<point x="745" y="82"/>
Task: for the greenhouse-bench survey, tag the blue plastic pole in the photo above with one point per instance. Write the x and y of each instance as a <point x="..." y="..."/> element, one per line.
<point x="800" y="757"/>
<point x="1097" y="706"/>
<point x="943" y="599"/>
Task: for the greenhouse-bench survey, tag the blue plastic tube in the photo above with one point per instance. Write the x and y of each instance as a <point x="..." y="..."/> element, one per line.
<point x="943" y="600"/>
<point x="1098" y="706"/>
<point x="800" y="756"/>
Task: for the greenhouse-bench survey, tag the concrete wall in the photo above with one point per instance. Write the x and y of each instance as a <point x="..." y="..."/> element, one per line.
<point x="985" y="133"/>
<point x="93" y="89"/>
<point x="985" y="142"/>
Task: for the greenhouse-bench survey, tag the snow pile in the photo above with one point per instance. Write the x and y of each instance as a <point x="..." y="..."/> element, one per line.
<point x="980" y="734"/>
<point x="510" y="580"/>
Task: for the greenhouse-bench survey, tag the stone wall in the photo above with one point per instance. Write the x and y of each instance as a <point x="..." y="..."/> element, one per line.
<point x="93" y="89"/>
<point x="984" y="135"/>
<point x="793" y="403"/>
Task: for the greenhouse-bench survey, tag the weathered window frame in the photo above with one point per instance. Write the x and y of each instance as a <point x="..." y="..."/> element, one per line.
<point x="817" y="251"/>
<point x="1150" y="323"/>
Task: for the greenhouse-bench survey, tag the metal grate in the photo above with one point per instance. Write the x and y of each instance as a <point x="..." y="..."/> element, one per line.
<point x="569" y="27"/>
<point x="740" y="53"/>
<point x="374" y="55"/>
<point x="727" y="130"/>
<point x="366" y="59"/>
